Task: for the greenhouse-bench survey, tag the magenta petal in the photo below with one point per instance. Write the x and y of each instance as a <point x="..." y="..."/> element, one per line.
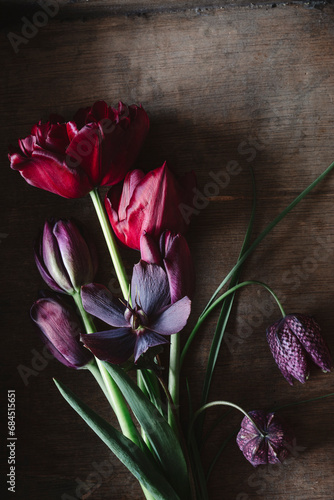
<point x="174" y="317"/>
<point x="100" y="302"/>
<point x="145" y="341"/>
<point x="115" y="346"/>
<point x="149" y="288"/>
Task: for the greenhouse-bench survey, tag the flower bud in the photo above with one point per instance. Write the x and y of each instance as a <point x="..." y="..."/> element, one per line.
<point x="295" y="341"/>
<point x="174" y="256"/>
<point x="149" y="203"/>
<point x="60" y="330"/>
<point x="269" y="441"/>
<point x="65" y="259"/>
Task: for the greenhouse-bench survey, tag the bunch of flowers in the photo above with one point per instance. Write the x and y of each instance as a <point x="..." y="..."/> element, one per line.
<point x="143" y="211"/>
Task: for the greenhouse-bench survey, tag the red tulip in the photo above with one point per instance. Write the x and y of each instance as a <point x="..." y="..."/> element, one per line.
<point x="70" y="159"/>
<point x="149" y="203"/>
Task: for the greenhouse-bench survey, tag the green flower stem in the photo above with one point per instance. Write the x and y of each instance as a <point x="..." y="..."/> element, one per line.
<point x="222" y="403"/>
<point x="267" y="230"/>
<point x="217" y="302"/>
<point x="115" y="396"/>
<point x="95" y="371"/>
<point x="174" y="380"/>
<point x="111" y="243"/>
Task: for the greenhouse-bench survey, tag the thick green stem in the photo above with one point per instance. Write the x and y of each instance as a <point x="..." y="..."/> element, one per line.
<point x="217" y="302"/>
<point x="111" y="243"/>
<point x="174" y="379"/>
<point x="95" y="371"/>
<point x="115" y="395"/>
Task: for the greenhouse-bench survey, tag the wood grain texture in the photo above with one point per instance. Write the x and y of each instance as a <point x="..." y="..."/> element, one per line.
<point x="254" y="86"/>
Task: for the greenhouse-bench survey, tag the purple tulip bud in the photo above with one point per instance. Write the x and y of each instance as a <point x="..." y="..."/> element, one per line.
<point x="174" y="256"/>
<point x="65" y="259"/>
<point x="269" y="441"/>
<point x="60" y="330"/>
<point x="295" y="341"/>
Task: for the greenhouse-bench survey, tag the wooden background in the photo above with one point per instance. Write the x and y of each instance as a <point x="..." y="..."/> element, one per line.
<point x="250" y="82"/>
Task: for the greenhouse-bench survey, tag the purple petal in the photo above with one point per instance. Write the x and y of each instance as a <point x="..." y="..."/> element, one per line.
<point x="288" y="352"/>
<point x="147" y="340"/>
<point x="53" y="260"/>
<point x="149" y="287"/>
<point x="115" y="346"/>
<point x="75" y="253"/>
<point x="149" y="250"/>
<point x="173" y="318"/>
<point x="42" y="268"/>
<point x="100" y="302"/>
<point x="179" y="265"/>
<point x="308" y="333"/>
<point x="61" y="327"/>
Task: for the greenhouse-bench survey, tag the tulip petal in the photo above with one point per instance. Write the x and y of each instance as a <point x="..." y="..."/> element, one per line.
<point x="115" y="346"/>
<point x="145" y="341"/>
<point x="85" y="151"/>
<point x="100" y="302"/>
<point x="149" y="288"/>
<point x="43" y="269"/>
<point x="61" y="327"/>
<point x="178" y="264"/>
<point x="173" y="318"/>
<point x="75" y="253"/>
<point x="149" y="250"/>
<point x="53" y="259"/>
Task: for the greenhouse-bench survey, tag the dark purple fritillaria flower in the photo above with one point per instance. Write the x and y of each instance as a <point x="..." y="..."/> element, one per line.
<point x="137" y="327"/>
<point x="269" y="441"/>
<point x="294" y="341"/>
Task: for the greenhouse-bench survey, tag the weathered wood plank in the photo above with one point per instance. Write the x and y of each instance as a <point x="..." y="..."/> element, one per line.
<point x="251" y="86"/>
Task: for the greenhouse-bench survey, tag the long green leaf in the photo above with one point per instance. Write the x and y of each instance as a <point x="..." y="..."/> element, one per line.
<point x="160" y="435"/>
<point x="268" y="229"/>
<point x="139" y="464"/>
<point x="227" y="305"/>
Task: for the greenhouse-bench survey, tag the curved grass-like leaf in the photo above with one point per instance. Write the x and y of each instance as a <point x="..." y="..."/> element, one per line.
<point x="159" y="433"/>
<point x="144" y="468"/>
